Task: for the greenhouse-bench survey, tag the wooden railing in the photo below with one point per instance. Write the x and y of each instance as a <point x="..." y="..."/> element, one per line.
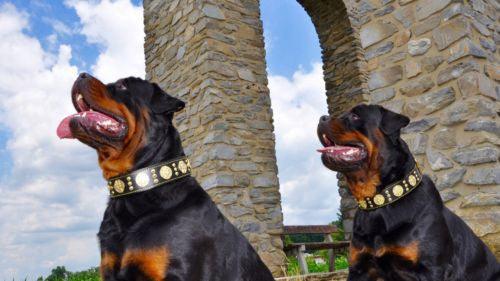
<point x="299" y="249"/>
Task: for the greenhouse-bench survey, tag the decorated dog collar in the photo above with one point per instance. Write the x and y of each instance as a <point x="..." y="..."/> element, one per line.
<point x="149" y="177"/>
<point x="393" y="192"/>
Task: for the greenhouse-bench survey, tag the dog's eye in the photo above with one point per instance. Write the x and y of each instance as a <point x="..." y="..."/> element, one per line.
<point x="121" y="86"/>
<point x="354" y="117"/>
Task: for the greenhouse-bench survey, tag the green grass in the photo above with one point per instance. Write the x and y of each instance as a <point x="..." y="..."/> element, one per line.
<point x="293" y="264"/>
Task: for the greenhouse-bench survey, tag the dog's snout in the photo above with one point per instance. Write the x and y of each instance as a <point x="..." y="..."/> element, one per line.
<point x="324" y="118"/>
<point x="83" y="75"/>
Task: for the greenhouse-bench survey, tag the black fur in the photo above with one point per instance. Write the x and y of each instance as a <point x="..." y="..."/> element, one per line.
<point x="448" y="250"/>
<point x="202" y="243"/>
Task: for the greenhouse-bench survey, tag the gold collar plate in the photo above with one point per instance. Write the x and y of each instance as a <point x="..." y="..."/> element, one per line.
<point x="149" y="177"/>
<point x="393" y="192"/>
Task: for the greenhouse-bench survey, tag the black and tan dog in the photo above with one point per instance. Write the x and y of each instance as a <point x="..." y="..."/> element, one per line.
<point x="403" y="231"/>
<point x="159" y="223"/>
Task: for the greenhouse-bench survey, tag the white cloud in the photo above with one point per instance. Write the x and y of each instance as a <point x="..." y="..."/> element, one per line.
<point x="53" y="199"/>
<point x="120" y="34"/>
<point x="308" y="189"/>
<point x="59" y="26"/>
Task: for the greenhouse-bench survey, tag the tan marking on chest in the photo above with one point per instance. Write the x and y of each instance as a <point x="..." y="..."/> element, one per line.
<point x="153" y="262"/>
<point x="408" y="252"/>
<point x="109" y="261"/>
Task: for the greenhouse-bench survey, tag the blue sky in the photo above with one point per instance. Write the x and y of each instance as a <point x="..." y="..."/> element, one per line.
<point x="52" y="191"/>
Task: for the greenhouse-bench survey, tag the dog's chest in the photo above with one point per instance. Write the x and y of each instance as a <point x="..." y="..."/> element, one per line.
<point x="375" y="262"/>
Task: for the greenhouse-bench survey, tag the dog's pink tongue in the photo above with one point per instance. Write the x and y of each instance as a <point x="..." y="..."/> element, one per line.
<point x="63" y="130"/>
<point x="342" y="153"/>
<point x="91" y="119"/>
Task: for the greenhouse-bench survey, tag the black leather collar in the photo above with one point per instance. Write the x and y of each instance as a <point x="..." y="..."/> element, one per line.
<point x="149" y="177"/>
<point x="393" y="192"/>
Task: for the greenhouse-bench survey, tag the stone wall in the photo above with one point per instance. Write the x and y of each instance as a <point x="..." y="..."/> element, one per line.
<point x="437" y="61"/>
<point x="210" y="53"/>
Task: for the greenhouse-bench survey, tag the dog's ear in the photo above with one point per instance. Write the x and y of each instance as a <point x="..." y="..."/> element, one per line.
<point x="162" y="102"/>
<point x="392" y="122"/>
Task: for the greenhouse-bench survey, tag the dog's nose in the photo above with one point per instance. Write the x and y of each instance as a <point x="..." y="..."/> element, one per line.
<point x="83" y="75"/>
<point x="324" y="118"/>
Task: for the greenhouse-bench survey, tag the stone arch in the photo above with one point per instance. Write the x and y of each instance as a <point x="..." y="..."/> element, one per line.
<point x="343" y="56"/>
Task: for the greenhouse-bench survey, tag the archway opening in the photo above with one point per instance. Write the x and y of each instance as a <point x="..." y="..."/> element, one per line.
<point x="298" y="80"/>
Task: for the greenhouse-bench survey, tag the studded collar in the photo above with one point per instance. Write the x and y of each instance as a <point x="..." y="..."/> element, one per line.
<point x="393" y="192"/>
<point x="149" y="177"/>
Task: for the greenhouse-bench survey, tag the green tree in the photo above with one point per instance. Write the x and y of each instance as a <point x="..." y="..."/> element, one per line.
<point x="58" y="274"/>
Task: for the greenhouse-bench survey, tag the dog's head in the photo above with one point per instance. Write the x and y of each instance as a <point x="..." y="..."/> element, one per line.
<point x="365" y="145"/>
<point x="127" y="122"/>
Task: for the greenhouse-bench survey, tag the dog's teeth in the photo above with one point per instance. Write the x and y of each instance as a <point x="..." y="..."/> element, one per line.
<point x="327" y="141"/>
<point x="91" y="109"/>
<point x="79" y="97"/>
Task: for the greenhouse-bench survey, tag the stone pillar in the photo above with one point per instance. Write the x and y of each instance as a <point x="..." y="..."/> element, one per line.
<point x="344" y="71"/>
<point x="437" y="61"/>
<point x="210" y="53"/>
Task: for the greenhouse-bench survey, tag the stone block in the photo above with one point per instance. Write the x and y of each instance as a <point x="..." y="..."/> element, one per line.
<point x="421" y="125"/>
<point x="493" y="71"/>
<point x="425" y="8"/>
<point x="384" y="11"/>
<point x="480" y="199"/>
<point x="481" y="28"/>
<point x="484" y="176"/>
<point x="265" y="180"/>
<point x="430" y="102"/>
<point x="396" y="57"/>
<point x="437" y="160"/>
<point x="376" y="31"/>
<point x="246" y="74"/>
<point x="418" y="144"/>
<point x="217" y="180"/>
<point x="376" y="51"/>
<point x="488" y="44"/>
<point x="452" y="11"/>
<point x="419" y="47"/>
<point x="385" y="77"/>
<point x="445" y="138"/>
<point x="474" y="83"/>
<point x="402" y="37"/>
<point x="405" y="15"/>
<point x="486" y="125"/>
<point x="213" y="11"/>
<point x="414" y="88"/>
<point x="394" y="105"/>
<point x="429" y="64"/>
<point x="382" y="95"/>
<point x="412" y="68"/>
<point x="450" y="179"/>
<point x="457" y="70"/>
<point x="426" y="26"/>
<point x="465" y="47"/>
<point x="462" y="111"/>
<point x="450" y="32"/>
<point x="448" y="195"/>
<point x="476" y="155"/>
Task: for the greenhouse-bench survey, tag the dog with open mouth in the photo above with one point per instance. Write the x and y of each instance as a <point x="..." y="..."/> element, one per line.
<point x="159" y="223"/>
<point x="402" y="230"/>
